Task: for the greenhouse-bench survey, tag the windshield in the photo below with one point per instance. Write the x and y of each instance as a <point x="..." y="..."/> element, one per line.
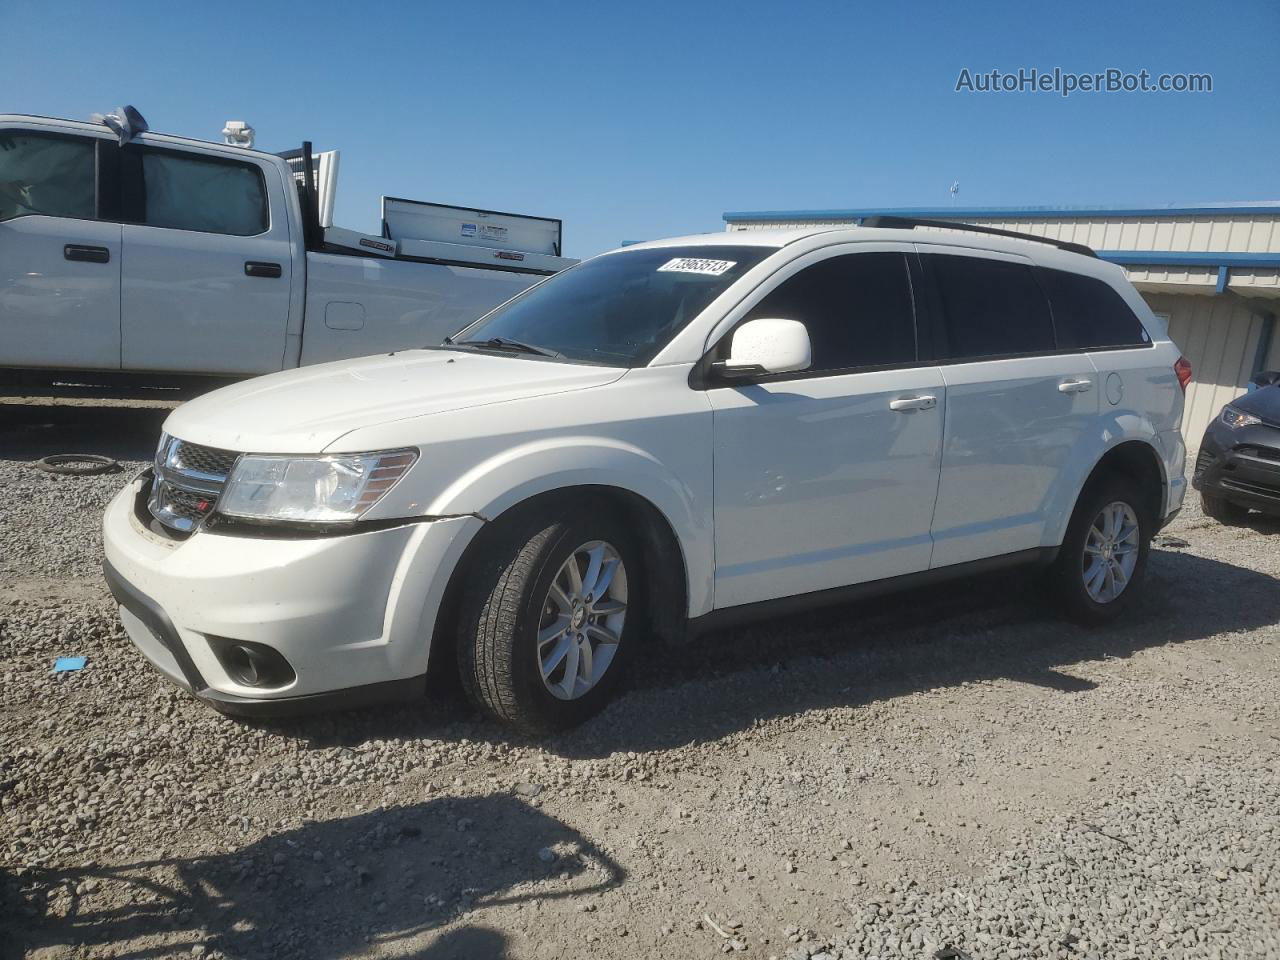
<point x="619" y="309"/>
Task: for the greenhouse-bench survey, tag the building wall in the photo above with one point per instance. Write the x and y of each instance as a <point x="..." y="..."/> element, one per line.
<point x="1219" y="335"/>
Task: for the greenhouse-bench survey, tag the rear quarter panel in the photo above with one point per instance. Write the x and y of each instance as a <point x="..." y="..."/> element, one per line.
<point x="1140" y="399"/>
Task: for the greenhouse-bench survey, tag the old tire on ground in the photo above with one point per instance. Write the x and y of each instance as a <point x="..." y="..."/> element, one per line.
<point x="77" y="464"/>
<point x="1099" y="569"/>
<point x="550" y="615"/>
<point x="1224" y="511"/>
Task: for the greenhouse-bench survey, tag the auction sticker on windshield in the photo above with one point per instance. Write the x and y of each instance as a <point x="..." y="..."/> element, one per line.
<point x="712" y="268"/>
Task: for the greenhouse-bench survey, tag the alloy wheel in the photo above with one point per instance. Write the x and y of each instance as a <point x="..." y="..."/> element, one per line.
<point x="1110" y="552"/>
<point x="582" y="620"/>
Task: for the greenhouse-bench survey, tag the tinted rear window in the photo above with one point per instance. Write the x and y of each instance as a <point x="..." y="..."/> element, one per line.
<point x="1088" y="313"/>
<point x="990" y="308"/>
<point x="208" y="194"/>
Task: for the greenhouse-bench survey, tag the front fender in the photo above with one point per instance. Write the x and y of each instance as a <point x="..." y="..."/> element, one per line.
<point x="516" y="474"/>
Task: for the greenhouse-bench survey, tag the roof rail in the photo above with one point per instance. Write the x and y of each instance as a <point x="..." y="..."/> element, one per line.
<point x="906" y="223"/>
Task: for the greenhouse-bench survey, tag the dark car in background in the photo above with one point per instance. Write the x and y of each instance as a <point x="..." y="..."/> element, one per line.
<point x="1238" y="467"/>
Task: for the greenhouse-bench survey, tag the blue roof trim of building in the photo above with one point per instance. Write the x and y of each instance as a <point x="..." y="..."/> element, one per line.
<point x="1224" y="277"/>
<point x="1175" y="258"/>
<point x="1271" y="207"/>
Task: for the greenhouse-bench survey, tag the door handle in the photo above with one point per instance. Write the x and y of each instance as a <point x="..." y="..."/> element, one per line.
<point x="904" y="404"/>
<point x="259" y="268"/>
<point x="77" y="251"/>
<point x="1075" y="386"/>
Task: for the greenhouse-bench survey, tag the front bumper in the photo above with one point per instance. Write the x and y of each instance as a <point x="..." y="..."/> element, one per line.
<point x="1242" y="466"/>
<point x="353" y="614"/>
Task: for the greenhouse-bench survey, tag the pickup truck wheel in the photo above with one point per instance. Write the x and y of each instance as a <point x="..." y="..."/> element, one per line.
<point x="1100" y="566"/>
<point x="546" y="622"/>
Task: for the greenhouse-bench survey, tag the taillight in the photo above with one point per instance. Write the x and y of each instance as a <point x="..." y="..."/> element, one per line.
<point x="1183" y="370"/>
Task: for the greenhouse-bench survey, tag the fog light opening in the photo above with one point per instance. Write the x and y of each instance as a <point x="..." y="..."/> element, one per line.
<point x="252" y="664"/>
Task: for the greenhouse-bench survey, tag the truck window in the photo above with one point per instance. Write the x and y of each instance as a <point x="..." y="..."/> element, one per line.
<point x="42" y="174"/>
<point x="1088" y="314"/>
<point x="857" y="309"/>
<point x="209" y="194"/>
<point x="990" y="308"/>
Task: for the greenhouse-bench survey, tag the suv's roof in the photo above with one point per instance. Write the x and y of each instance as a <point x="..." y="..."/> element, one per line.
<point x="745" y="238"/>
<point x="813" y="238"/>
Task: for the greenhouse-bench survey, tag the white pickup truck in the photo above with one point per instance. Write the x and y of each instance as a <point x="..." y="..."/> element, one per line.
<point x="166" y="257"/>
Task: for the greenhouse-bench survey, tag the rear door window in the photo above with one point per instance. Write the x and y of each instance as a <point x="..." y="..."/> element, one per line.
<point x="183" y="191"/>
<point x="1089" y="314"/>
<point x="857" y="309"/>
<point x="989" y="308"/>
<point x="46" y="175"/>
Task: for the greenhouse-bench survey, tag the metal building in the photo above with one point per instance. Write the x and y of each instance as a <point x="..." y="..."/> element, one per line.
<point x="1212" y="271"/>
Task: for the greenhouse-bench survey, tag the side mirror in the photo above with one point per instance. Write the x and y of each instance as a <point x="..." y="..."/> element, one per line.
<point x="766" y="346"/>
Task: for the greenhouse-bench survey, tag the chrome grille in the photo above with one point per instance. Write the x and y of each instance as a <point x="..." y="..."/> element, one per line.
<point x="188" y="481"/>
<point x="207" y="461"/>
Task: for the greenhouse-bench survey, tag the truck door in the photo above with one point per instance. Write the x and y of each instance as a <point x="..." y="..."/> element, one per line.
<point x="207" y="263"/>
<point x="59" y="263"/>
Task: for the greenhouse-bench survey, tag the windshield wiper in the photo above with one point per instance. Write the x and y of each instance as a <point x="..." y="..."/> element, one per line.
<point x="503" y="343"/>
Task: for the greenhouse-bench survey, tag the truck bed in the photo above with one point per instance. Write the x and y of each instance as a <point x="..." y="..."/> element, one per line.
<point x="361" y="305"/>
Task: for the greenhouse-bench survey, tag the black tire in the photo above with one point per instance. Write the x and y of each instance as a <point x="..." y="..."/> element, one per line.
<point x="77" y="464"/>
<point x="1067" y="572"/>
<point x="1224" y="511"/>
<point x="502" y="604"/>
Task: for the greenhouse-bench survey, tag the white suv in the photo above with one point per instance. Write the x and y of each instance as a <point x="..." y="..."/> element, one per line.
<point x="662" y="438"/>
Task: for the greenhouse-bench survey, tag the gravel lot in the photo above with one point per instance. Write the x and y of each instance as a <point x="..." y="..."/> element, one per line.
<point x="944" y="769"/>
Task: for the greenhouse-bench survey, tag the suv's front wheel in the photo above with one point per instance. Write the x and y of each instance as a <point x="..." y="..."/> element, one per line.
<point x="1224" y="511"/>
<point x="546" y="620"/>
<point x="1103" y="558"/>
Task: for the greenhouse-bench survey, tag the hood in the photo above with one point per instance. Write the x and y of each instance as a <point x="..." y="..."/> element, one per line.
<point x="1264" y="403"/>
<point x="306" y="410"/>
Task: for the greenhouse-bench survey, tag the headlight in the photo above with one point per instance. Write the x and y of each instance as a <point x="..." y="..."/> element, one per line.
<point x="1235" y="418"/>
<point x="312" y="489"/>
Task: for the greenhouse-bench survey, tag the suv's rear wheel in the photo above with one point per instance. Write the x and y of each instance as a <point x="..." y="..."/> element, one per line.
<point x="1103" y="558"/>
<point x="546" y="621"/>
<point x="1224" y="511"/>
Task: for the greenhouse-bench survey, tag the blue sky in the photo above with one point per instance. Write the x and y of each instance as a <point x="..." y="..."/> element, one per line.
<point x="639" y="120"/>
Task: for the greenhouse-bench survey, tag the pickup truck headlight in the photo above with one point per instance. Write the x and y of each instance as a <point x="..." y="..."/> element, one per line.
<point x="1235" y="418"/>
<point x="324" y="489"/>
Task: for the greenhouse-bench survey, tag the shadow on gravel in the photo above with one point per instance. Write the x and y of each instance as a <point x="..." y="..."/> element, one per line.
<point x="469" y="943"/>
<point x="990" y="628"/>
<point x="31" y="430"/>
<point x="1263" y="524"/>
<point x="323" y="890"/>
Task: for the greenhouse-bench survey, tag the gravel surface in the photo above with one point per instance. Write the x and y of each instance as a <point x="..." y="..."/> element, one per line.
<point x="949" y="769"/>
